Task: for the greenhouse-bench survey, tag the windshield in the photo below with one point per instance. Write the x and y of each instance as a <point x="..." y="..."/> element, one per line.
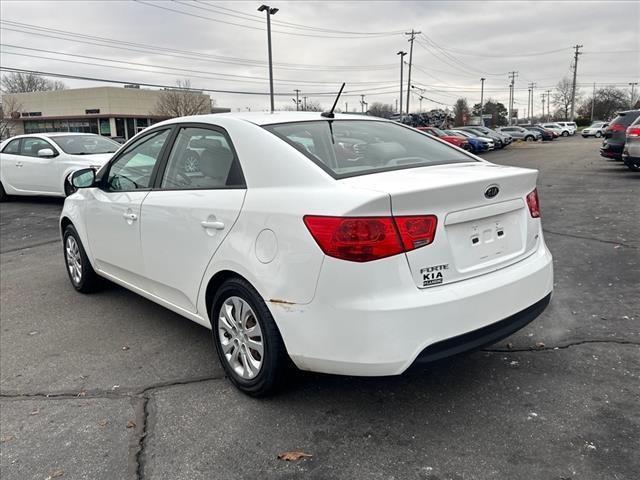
<point x="85" y="144"/>
<point x="346" y="148"/>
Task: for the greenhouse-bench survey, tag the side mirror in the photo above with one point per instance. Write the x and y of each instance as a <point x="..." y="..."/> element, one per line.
<point x="83" y="178"/>
<point x="46" y="153"/>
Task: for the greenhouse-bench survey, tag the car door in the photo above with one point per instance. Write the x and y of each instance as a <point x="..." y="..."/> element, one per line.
<point x="11" y="163"/>
<point x="113" y="214"/>
<point x="196" y="201"/>
<point x="33" y="173"/>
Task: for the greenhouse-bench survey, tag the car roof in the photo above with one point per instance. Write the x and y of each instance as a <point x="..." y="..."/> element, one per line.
<point x="267" y="118"/>
<point x="52" y="134"/>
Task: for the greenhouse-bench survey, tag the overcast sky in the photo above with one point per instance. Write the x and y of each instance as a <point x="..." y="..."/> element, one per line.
<point x="331" y="42"/>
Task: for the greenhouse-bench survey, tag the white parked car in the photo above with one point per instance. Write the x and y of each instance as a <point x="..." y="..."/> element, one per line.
<point x="38" y="164"/>
<point x="596" y="129"/>
<point x="556" y="127"/>
<point x="571" y="126"/>
<point x="348" y="245"/>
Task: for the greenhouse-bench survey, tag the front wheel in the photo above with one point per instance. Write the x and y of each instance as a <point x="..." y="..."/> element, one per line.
<point x="83" y="278"/>
<point x="247" y="339"/>
<point x="565" y="134"/>
<point x="598" y="134"/>
<point x="529" y="138"/>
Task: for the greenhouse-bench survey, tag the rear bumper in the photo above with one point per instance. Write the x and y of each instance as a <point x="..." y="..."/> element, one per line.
<point x="346" y="330"/>
<point x="610" y="150"/>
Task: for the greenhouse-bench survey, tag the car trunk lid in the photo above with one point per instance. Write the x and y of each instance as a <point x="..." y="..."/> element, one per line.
<point x="484" y="223"/>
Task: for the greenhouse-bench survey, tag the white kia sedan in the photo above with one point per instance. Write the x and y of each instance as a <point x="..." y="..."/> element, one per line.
<point x="348" y="245"/>
<point x="39" y="164"/>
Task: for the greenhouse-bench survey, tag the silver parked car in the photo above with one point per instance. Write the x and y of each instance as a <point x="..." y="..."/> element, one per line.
<point x="521" y="133"/>
<point x="596" y="129"/>
<point x="631" y="151"/>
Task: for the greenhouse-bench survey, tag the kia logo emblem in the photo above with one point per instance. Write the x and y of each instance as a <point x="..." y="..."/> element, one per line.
<point x="491" y="191"/>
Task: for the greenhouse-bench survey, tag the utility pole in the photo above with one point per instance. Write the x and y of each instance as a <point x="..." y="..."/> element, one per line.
<point x="304" y="99"/>
<point x="593" y="101"/>
<point x="548" y="105"/>
<point x="529" y="102"/>
<point x="412" y="34"/>
<point x="573" y="87"/>
<point x="512" y="76"/>
<point x="542" y="95"/>
<point x="396" y="105"/>
<point x="362" y="103"/>
<point x="402" y="54"/>
<point x="297" y="100"/>
<point x="270" y="11"/>
<point x="482" y="99"/>
<point x="532" y="86"/>
<point x="346" y="107"/>
<point x="420" y="99"/>
<point x="633" y="92"/>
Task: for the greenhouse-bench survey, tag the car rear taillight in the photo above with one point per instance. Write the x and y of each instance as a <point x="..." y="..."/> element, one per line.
<point x="534" y="203"/>
<point x="616" y="127"/>
<point x="633" y="131"/>
<point x="362" y="239"/>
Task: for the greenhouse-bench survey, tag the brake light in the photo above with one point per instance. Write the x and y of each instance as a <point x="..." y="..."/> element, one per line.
<point x="363" y="239"/>
<point x="633" y="131"/>
<point x="616" y="127"/>
<point x="534" y="203"/>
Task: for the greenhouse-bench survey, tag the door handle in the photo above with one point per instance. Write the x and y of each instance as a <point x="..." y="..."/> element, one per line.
<point x="19" y="164"/>
<point x="212" y="224"/>
<point x="130" y="216"/>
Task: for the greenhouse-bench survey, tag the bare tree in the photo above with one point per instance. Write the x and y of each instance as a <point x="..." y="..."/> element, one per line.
<point x="9" y="111"/>
<point x="182" y="101"/>
<point x="562" y="98"/>
<point x="17" y="82"/>
<point x="379" y="109"/>
<point x="461" y="111"/>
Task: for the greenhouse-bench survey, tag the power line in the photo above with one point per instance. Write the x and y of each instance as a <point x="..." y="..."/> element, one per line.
<point x="182" y="12"/>
<point x="162" y="50"/>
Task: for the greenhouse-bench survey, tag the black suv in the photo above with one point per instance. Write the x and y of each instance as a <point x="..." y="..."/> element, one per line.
<point x="615" y="134"/>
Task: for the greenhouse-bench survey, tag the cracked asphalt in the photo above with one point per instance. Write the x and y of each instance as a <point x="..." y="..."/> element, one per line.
<point x="112" y="386"/>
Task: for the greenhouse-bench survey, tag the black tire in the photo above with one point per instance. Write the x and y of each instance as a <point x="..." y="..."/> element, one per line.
<point x="565" y="134"/>
<point x="88" y="280"/>
<point x="529" y="138"/>
<point x="275" y="360"/>
<point x="598" y="134"/>
<point x="3" y="195"/>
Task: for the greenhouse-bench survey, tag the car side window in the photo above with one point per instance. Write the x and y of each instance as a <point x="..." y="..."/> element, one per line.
<point x="31" y="146"/>
<point x="201" y="158"/>
<point x="13" y="147"/>
<point x="133" y="169"/>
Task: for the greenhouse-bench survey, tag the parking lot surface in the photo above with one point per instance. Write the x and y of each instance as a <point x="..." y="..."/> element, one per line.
<point x="111" y="385"/>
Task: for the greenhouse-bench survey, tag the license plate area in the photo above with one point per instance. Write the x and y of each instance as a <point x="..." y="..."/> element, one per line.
<point x="484" y="242"/>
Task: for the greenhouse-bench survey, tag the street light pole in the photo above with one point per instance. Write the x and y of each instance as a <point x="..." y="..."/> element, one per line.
<point x="270" y="11"/>
<point x="482" y="100"/>
<point x="402" y="54"/>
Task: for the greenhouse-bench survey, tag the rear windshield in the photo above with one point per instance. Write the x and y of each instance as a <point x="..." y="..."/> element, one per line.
<point x="626" y="118"/>
<point x="346" y="148"/>
<point x="85" y="144"/>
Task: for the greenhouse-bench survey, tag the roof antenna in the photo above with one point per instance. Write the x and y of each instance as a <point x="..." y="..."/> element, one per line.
<point x="330" y="114"/>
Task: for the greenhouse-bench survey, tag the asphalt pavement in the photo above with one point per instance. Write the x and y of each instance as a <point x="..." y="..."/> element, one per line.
<point x="111" y="386"/>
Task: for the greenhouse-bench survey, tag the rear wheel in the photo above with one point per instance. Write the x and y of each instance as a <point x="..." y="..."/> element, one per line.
<point x="529" y="138"/>
<point x="247" y="339"/>
<point x="3" y="195"/>
<point x="83" y="278"/>
<point x="565" y="134"/>
<point x="598" y="134"/>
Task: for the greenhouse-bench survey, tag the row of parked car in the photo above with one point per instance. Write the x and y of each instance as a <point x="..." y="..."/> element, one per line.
<point x="622" y="139"/>
<point x="478" y="139"/>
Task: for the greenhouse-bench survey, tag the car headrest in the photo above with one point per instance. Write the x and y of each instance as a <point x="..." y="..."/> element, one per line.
<point x="216" y="162"/>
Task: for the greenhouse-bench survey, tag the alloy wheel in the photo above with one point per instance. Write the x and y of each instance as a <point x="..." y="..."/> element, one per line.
<point x="240" y="337"/>
<point x="74" y="260"/>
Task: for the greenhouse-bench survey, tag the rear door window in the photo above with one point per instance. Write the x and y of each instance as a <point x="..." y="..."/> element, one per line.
<point x="13" y="147"/>
<point x="346" y="148"/>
